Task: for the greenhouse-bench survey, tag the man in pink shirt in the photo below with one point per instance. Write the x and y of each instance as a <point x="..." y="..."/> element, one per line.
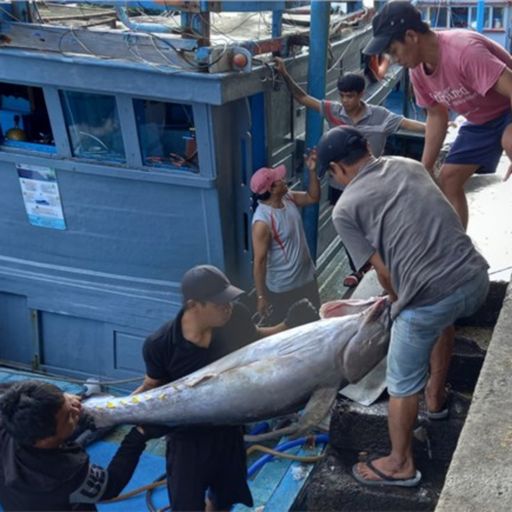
<point x="458" y="70"/>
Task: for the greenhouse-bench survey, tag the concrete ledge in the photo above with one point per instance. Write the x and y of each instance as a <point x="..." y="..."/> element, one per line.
<point x="480" y="474"/>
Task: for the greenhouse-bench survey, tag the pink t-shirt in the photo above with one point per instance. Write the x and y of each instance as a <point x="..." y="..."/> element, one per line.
<point x="469" y="67"/>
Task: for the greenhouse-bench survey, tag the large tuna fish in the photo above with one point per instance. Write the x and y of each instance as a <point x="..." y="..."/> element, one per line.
<point x="265" y="379"/>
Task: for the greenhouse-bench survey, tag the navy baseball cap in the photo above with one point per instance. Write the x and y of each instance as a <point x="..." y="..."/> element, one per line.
<point x="337" y="144"/>
<point x="392" y="20"/>
<point x="207" y="283"/>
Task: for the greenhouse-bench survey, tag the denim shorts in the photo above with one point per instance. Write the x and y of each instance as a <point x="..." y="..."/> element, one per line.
<point x="415" y="331"/>
<point x="480" y="144"/>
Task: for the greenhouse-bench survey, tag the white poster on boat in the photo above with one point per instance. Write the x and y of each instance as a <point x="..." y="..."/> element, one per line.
<point x="41" y="196"/>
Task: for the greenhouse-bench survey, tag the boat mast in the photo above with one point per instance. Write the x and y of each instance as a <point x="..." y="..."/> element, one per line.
<point x="319" y="36"/>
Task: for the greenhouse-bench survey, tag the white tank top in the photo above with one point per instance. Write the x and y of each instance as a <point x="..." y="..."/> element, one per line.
<point x="289" y="263"/>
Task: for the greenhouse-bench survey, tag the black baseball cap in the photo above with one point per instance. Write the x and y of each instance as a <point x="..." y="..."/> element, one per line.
<point x="337" y="144"/>
<point x="207" y="283"/>
<point x="392" y="20"/>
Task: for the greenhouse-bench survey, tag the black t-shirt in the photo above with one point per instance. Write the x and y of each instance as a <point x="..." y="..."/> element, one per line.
<point x="169" y="356"/>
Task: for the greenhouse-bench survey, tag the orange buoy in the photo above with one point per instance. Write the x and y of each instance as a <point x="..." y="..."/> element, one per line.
<point x="240" y="60"/>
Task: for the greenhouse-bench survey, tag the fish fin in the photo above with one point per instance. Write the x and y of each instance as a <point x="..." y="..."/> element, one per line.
<point x="317" y="408"/>
<point x="200" y="378"/>
<point x="360" y="358"/>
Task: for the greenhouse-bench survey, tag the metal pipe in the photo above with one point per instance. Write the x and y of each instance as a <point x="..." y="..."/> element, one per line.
<point x="480" y="11"/>
<point x="139" y="27"/>
<point x="277" y="23"/>
<point x="319" y="37"/>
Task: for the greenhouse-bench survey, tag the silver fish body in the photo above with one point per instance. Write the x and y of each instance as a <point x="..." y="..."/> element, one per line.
<point x="263" y="379"/>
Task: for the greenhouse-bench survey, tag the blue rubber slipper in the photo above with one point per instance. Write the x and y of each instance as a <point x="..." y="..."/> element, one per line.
<point x="385" y="479"/>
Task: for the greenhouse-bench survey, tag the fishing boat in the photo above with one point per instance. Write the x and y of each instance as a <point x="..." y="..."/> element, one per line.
<point x="495" y="23"/>
<point x="129" y="134"/>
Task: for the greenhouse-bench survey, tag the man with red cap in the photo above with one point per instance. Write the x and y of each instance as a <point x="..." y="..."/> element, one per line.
<point x="283" y="269"/>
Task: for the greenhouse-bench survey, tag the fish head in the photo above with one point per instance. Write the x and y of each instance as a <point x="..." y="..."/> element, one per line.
<point x="368" y="345"/>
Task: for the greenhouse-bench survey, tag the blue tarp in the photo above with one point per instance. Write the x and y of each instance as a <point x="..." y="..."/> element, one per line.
<point x="150" y="467"/>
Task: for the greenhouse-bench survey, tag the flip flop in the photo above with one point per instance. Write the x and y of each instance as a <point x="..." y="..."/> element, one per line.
<point x="439" y="415"/>
<point x="443" y="413"/>
<point x="385" y="479"/>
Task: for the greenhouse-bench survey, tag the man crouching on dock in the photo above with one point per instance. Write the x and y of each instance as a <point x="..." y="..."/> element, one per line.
<point x="392" y="214"/>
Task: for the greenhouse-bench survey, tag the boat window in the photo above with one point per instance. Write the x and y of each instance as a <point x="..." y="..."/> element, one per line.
<point x="438" y="16"/>
<point x="93" y="126"/>
<point x="487" y="17"/>
<point x="167" y="134"/>
<point x="472" y="18"/>
<point x="24" y="121"/>
<point x="497" y="18"/>
<point x="459" y="17"/>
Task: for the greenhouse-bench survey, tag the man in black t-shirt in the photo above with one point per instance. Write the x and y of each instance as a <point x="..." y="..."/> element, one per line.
<point x="40" y="469"/>
<point x="210" y="325"/>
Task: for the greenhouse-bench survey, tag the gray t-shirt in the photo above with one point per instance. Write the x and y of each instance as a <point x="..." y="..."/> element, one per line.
<point x="394" y="207"/>
<point x="376" y="124"/>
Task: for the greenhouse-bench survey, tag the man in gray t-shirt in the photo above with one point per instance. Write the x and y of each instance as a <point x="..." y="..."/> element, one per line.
<point x="374" y="121"/>
<point x="393" y="215"/>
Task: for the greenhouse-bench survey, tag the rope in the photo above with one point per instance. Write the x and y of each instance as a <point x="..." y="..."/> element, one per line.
<point x="308" y="459"/>
<point x="254" y="448"/>
<point x="138" y="490"/>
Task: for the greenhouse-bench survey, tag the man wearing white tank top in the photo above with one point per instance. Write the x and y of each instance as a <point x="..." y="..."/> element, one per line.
<point x="283" y="269"/>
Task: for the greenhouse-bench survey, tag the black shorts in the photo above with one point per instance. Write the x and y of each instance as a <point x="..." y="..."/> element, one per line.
<point x="282" y="301"/>
<point x="207" y="459"/>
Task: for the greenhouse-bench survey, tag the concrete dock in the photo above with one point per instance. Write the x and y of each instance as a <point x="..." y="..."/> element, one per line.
<point x="480" y="474"/>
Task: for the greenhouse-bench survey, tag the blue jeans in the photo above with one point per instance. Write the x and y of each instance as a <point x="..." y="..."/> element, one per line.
<point x="415" y="331"/>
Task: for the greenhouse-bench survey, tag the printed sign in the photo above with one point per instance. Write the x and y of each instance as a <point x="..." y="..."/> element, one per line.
<point x="41" y="196"/>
